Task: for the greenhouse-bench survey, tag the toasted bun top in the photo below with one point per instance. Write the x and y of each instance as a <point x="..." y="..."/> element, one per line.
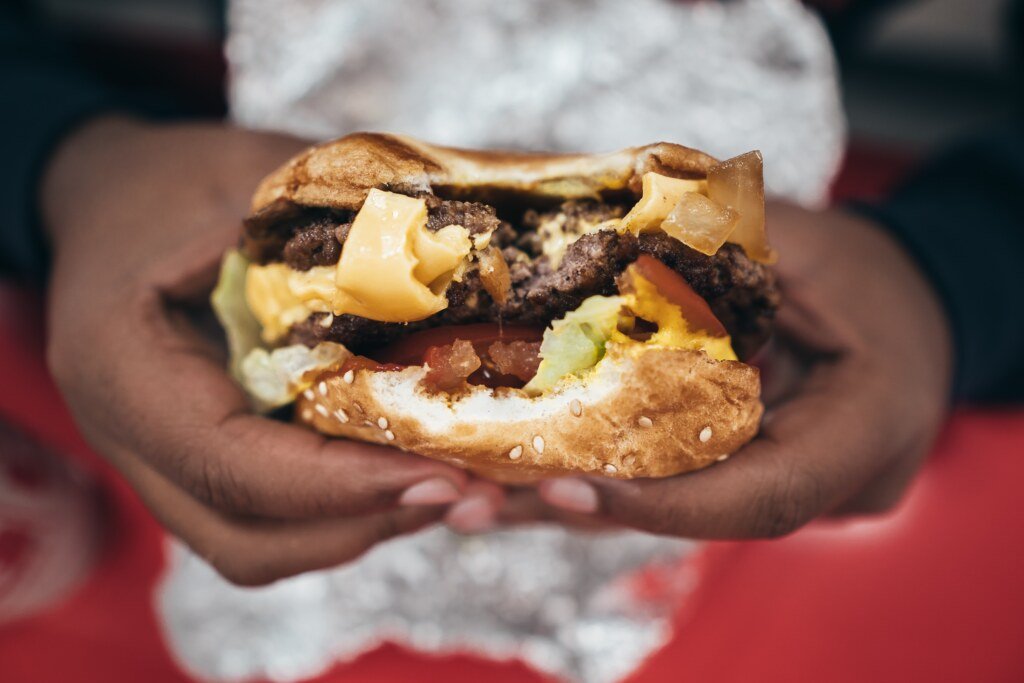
<point x="340" y="173"/>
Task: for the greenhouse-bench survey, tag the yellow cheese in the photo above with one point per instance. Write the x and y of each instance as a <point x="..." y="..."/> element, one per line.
<point x="392" y="269"/>
<point x="575" y="344"/>
<point x="660" y="195"/>
<point x="439" y="253"/>
<point x="673" y="331"/>
<point x="279" y="297"/>
<point x="388" y="247"/>
<point x="314" y="287"/>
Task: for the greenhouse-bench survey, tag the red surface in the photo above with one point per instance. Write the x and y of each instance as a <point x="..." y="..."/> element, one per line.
<point x="870" y="171"/>
<point x="932" y="592"/>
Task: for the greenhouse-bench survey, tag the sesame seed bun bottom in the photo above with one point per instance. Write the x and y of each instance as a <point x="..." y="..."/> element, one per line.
<point x="641" y="412"/>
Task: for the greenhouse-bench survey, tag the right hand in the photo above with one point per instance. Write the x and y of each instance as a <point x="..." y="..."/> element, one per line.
<point x="138" y="216"/>
<point x="853" y="409"/>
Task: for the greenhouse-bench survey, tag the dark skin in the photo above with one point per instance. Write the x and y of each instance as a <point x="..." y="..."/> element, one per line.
<point x="862" y="363"/>
<point x="138" y="216"/>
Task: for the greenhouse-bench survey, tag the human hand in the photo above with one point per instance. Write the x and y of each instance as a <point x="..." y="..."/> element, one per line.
<point x="857" y="387"/>
<point x="138" y="216"/>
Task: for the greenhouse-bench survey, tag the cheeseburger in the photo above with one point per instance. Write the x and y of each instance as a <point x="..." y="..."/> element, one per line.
<point x="518" y="315"/>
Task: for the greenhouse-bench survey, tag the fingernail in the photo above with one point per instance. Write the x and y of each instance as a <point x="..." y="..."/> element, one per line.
<point x="436" y="491"/>
<point x="471" y="515"/>
<point x="574" y="495"/>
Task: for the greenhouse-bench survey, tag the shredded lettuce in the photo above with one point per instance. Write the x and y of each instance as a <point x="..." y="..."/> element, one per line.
<point x="576" y="342"/>
<point x="271" y="378"/>
<point x="228" y="301"/>
<point x="275" y="378"/>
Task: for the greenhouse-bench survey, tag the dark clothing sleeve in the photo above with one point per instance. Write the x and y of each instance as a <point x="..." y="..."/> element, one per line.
<point x="962" y="217"/>
<point x="44" y="96"/>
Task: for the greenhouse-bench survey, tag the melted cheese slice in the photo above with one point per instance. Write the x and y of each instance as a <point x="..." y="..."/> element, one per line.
<point x="392" y="269"/>
<point x="280" y="297"/>
<point x="660" y="195"/>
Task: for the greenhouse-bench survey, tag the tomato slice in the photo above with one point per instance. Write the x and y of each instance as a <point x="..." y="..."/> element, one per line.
<point x="678" y="291"/>
<point x="412" y="349"/>
<point x="450" y="366"/>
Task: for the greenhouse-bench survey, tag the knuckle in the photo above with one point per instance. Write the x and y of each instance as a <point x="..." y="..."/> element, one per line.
<point x="386" y="528"/>
<point x="244" y="572"/>
<point x="670" y="519"/>
<point x="875" y="501"/>
<point x="238" y="559"/>
<point x="211" y="481"/>
<point x="656" y="509"/>
<point x="783" y="507"/>
<point x="874" y="506"/>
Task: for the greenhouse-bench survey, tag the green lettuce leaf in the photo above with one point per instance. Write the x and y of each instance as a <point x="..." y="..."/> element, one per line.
<point x="576" y="342"/>
<point x="275" y="378"/>
<point x="228" y="301"/>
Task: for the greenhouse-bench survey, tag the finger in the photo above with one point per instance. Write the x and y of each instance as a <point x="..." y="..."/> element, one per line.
<point x="525" y="506"/>
<point x="801" y="339"/>
<point x="258" y="551"/>
<point x="888" y="487"/>
<point x="477" y="510"/>
<point x="816" y="450"/>
<point x="157" y="391"/>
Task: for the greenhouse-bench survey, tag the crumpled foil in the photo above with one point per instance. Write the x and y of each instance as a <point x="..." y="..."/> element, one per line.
<point x="567" y="603"/>
<point x="584" y="75"/>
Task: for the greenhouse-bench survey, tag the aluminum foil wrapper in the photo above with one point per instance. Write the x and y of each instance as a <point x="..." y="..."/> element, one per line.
<point x="573" y="75"/>
<point x="569" y="604"/>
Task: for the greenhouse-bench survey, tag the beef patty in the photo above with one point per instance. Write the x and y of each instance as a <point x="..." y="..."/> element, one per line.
<point x="307" y="237"/>
<point x="743" y="294"/>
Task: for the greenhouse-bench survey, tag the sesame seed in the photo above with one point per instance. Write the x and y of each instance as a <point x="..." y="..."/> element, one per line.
<point x="576" y="407"/>
<point x="349" y="376"/>
<point x="645" y="421"/>
<point x="538" y="443"/>
<point x="705" y="435"/>
<point x="320" y="409"/>
<point x="516" y="452"/>
<point x="389" y="435"/>
<point x="307" y="414"/>
<point x="308" y="393"/>
<point x="341" y="415"/>
<point x="322" y="388"/>
<point x="382" y="422"/>
<point x="723" y="457"/>
<point x="610" y="468"/>
<point x="327" y="320"/>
